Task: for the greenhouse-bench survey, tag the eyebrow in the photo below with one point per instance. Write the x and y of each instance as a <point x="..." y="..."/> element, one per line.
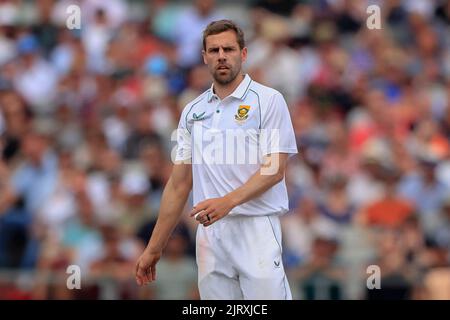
<point x="223" y="47"/>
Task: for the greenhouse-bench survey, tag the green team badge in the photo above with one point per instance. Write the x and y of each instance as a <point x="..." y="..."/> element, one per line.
<point x="242" y="113"/>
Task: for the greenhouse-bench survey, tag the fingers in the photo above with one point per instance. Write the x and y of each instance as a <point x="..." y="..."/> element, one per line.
<point x="204" y="216"/>
<point x="136" y="268"/>
<point x="209" y="211"/>
<point x="211" y="220"/>
<point x="145" y="275"/>
<point x="204" y="219"/>
<point x="140" y="275"/>
<point x="203" y="213"/>
<point x="196" y="209"/>
<point x="148" y="277"/>
<point x="153" y="272"/>
<point x="136" y="272"/>
<point x="201" y="206"/>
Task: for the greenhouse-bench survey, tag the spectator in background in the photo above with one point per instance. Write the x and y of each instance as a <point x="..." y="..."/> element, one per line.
<point x="142" y="134"/>
<point x="339" y="158"/>
<point x="31" y="185"/>
<point x="198" y="81"/>
<point x="46" y="32"/>
<point x="436" y="280"/>
<point x="96" y="37"/>
<point x="300" y="228"/>
<point x="280" y="7"/>
<point x="81" y="235"/>
<point x="441" y="233"/>
<point x="32" y="68"/>
<point x="335" y="204"/>
<point x="425" y="191"/>
<point x="396" y="276"/>
<point x="362" y="101"/>
<point x="391" y="211"/>
<point x="17" y="120"/>
<point x="190" y="26"/>
<point x="60" y="206"/>
<point x="365" y="186"/>
<point x="93" y="146"/>
<point x="116" y="11"/>
<point x="134" y="211"/>
<point x="157" y="171"/>
<point x="113" y="267"/>
<point x="177" y="271"/>
<point x="322" y="275"/>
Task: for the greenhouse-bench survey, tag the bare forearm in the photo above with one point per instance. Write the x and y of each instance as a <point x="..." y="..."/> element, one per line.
<point x="172" y="204"/>
<point x="271" y="172"/>
<point x="255" y="186"/>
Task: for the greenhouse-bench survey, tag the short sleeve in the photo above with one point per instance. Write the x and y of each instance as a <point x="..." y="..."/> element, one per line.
<point x="183" y="136"/>
<point x="277" y="133"/>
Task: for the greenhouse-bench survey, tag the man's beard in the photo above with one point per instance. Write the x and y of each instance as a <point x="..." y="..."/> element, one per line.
<point x="226" y="79"/>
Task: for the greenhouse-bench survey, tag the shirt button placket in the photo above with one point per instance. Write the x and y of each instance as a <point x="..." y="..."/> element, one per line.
<point x="217" y="115"/>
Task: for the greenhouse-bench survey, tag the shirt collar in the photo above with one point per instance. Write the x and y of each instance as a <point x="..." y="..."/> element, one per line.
<point x="238" y="93"/>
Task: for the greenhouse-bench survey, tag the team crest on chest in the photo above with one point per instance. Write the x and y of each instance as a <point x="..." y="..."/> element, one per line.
<point x="241" y="113"/>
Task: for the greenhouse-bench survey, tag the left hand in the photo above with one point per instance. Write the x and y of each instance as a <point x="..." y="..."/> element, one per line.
<point x="215" y="209"/>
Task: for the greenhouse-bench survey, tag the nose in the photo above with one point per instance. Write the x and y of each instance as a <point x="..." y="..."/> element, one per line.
<point x="222" y="56"/>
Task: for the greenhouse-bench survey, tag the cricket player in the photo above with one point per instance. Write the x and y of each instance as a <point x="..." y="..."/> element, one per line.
<point x="238" y="197"/>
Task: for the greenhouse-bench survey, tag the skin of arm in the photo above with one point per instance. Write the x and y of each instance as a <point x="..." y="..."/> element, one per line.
<point x="271" y="172"/>
<point x="7" y="199"/>
<point x="7" y="195"/>
<point x="173" y="201"/>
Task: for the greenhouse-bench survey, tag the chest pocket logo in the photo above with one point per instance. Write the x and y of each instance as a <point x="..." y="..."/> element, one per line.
<point x="241" y="114"/>
<point x="198" y="117"/>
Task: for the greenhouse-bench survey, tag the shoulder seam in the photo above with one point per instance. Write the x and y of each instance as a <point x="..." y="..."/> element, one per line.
<point x="259" y="106"/>
<point x="202" y="97"/>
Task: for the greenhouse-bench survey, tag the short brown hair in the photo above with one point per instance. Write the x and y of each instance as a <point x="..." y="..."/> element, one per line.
<point x="220" y="26"/>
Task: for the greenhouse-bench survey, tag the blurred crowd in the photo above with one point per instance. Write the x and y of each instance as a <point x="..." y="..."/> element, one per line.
<point x="86" y="122"/>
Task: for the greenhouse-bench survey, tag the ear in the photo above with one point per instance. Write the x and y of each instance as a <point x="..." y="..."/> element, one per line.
<point x="244" y="54"/>
<point x="204" y="56"/>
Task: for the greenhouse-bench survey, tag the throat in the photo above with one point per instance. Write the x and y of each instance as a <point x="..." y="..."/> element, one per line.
<point x="224" y="90"/>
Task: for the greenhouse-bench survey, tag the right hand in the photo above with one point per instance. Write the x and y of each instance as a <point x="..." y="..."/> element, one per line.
<point x="146" y="267"/>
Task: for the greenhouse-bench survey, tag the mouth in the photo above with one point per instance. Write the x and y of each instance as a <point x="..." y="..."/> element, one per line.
<point x="222" y="67"/>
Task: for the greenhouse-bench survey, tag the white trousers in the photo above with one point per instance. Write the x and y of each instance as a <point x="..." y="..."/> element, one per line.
<point x="239" y="257"/>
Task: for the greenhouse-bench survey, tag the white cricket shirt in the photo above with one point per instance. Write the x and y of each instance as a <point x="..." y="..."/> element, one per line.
<point x="226" y="139"/>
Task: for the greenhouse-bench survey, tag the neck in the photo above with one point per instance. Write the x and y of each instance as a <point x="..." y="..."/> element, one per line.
<point x="224" y="90"/>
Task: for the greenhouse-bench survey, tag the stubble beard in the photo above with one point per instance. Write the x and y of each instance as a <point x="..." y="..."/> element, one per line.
<point x="226" y="79"/>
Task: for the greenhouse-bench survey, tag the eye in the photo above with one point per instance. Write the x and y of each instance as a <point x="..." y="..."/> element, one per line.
<point x="213" y="50"/>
